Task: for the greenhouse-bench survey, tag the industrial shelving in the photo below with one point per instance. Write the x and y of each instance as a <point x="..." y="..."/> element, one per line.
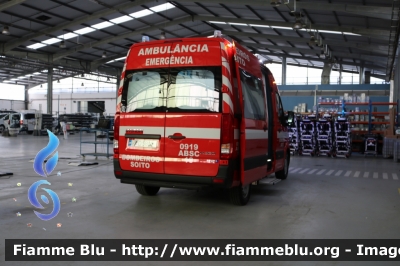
<point x="105" y="133"/>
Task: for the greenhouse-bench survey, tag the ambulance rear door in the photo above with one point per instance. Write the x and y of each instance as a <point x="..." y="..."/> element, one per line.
<point x="254" y="123"/>
<point x="142" y="122"/>
<point x="194" y="104"/>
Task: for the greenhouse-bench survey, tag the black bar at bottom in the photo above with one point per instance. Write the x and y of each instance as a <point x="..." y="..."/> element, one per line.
<point x="202" y="250"/>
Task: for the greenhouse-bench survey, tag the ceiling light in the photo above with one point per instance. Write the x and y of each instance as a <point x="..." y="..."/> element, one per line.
<point x="6" y="30"/>
<point x="141" y="13"/>
<point x="84" y="31"/>
<point x="276" y="3"/>
<point x="298" y="24"/>
<point x="162" y="7"/>
<point x="217" y="22"/>
<point x="102" y="25"/>
<point x="62" y="45"/>
<point x="36" y="46"/>
<point x="122" y="19"/>
<point x="104" y="54"/>
<point x="67" y="36"/>
<point x="51" y="41"/>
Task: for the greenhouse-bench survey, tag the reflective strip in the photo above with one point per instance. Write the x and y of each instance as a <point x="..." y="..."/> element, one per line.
<point x="146" y="130"/>
<point x="226" y="64"/>
<point x="222" y="46"/>
<point x="283" y="135"/>
<point x="256" y="134"/>
<point x="226" y="82"/>
<point x="123" y="70"/>
<point x="119" y="99"/>
<point x="121" y="84"/>
<point x="236" y="134"/>
<point x="195" y="133"/>
<point x="228" y="100"/>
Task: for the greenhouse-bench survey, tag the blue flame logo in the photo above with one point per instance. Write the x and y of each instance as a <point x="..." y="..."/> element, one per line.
<point x="39" y="165"/>
<point x="44" y="169"/>
<point x="34" y="201"/>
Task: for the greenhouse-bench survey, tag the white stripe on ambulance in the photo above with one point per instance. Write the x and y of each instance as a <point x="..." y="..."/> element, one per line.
<point x="228" y="100"/>
<point x="195" y="133"/>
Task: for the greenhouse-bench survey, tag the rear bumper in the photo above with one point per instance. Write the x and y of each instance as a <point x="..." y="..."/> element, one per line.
<point x="225" y="173"/>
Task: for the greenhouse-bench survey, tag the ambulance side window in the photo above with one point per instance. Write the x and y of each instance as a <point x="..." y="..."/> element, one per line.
<point x="279" y="107"/>
<point x="254" y="101"/>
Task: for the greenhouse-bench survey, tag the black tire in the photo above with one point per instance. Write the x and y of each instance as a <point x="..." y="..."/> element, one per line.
<point x="147" y="190"/>
<point x="283" y="174"/>
<point x="240" y="195"/>
<point x="2" y="128"/>
<point x="29" y="132"/>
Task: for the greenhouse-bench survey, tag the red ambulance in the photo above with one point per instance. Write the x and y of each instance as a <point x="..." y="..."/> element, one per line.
<point x="198" y="112"/>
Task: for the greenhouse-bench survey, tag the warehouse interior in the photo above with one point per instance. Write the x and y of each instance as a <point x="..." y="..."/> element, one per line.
<point x="67" y="56"/>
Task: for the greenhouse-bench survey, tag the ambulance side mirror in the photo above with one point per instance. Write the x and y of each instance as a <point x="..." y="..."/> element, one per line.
<point x="289" y="118"/>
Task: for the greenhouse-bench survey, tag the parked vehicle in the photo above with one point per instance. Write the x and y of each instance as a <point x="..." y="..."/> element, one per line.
<point x="26" y="121"/>
<point x="2" y="125"/>
<point x="198" y="112"/>
<point x="11" y="120"/>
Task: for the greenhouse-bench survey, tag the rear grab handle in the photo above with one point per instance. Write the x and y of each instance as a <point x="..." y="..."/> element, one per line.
<point x="176" y="137"/>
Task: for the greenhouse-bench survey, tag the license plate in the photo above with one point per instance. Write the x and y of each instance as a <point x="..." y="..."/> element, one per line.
<point x="143" y="144"/>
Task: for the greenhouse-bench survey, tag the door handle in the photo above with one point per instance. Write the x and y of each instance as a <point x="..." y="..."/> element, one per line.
<point x="176" y="137"/>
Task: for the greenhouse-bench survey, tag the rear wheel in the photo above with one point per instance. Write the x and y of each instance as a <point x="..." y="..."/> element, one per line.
<point x="30" y="132"/>
<point x="147" y="190"/>
<point x="2" y="128"/>
<point x="282" y="174"/>
<point x="240" y="195"/>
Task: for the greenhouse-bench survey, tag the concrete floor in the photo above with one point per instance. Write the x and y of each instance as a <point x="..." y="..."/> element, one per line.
<point x="310" y="204"/>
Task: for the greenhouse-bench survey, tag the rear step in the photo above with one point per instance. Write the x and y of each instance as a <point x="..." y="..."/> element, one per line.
<point x="164" y="184"/>
<point x="272" y="180"/>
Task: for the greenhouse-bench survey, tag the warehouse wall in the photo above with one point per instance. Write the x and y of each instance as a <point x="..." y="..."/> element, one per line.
<point x="11" y="105"/>
<point x="69" y="101"/>
<point x="306" y="94"/>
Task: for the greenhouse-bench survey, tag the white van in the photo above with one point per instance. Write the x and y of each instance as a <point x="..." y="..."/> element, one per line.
<point x="24" y="120"/>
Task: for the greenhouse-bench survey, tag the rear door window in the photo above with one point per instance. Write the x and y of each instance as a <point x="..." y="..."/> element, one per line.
<point x="174" y="90"/>
<point x="29" y="116"/>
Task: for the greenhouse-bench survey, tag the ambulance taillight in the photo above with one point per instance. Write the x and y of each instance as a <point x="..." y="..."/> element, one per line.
<point x="116" y="135"/>
<point x="226" y="136"/>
